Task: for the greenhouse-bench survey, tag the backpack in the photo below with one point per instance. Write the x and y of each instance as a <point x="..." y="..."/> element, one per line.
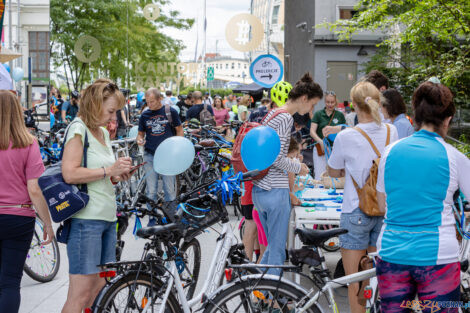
<point x="169" y="117"/>
<point x="63" y="200"/>
<point x="205" y="117"/>
<point x="236" y="159"/>
<point x="368" y="193"/>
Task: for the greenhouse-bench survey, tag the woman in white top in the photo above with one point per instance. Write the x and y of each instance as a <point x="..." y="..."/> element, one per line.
<point x="352" y="156"/>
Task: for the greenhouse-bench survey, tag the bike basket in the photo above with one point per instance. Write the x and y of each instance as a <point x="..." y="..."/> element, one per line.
<point x="202" y="214"/>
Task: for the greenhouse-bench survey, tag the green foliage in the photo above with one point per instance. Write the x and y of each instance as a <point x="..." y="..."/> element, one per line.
<point x="464" y="146"/>
<point x="431" y="38"/>
<point x="122" y="31"/>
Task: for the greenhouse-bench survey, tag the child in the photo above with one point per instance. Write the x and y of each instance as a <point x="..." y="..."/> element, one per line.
<point x="294" y="153"/>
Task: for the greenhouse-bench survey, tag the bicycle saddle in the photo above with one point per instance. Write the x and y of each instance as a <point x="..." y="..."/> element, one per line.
<point x="207" y="143"/>
<point x="162" y="231"/>
<point x="313" y="237"/>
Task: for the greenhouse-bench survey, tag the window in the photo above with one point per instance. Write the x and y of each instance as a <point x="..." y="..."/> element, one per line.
<point x="39" y="53"/>
<point x="245" y="66"/>
<point x="226" y="66"/>
<point x="217" y="66"/>
<point x="347" y="14"/>
<point x="233" y="65"/>
<point x="275" y="16"/>
<point x="239" y="66"/>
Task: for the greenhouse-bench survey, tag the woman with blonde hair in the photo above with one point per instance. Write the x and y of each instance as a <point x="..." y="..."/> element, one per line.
<point x="352" y="157"/>
<point x="92" y="237"/>
<point x="20" y="167"/>
<point x="243" y="108"/>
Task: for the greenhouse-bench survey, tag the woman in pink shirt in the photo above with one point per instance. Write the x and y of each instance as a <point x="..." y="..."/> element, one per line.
<point x="20" y="167"/>
<point x="221" y="114"/>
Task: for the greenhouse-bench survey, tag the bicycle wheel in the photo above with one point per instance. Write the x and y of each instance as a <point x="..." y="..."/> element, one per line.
<point x="332" y="244"/>
<point x="253" y="294"/>
<point x="42" y="261"/>
<point x="191" y="252"/>
<point x="132" y="293"/>
<point x="242" y="229"/>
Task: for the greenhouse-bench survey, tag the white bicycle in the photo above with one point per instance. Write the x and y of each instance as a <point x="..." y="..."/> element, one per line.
<point x="153" y="284"/>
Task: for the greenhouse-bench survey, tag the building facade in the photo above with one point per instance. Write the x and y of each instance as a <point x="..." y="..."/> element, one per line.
<point x="29" y="29"/>
<point x="226" y="70"/>
<point x="338" y="65"/>
<point x="271" y="15"/>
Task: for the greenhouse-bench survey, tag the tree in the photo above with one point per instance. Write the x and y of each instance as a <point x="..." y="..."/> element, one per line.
<point x="123" y="34"/>
<point x="426" y="37"/>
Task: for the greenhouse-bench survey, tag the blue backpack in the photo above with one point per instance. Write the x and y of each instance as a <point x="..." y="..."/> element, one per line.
<point x="63" y="200"/>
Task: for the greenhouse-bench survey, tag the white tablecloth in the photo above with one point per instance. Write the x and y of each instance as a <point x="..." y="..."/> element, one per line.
<point x="309" y="216"/>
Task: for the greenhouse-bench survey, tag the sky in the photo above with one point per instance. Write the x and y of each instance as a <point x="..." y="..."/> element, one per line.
<point x="218" y="14"/>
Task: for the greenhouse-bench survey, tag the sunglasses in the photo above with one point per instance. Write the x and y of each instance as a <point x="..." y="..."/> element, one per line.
<point x="112" y="86"/>
<point x="330" y="93"/>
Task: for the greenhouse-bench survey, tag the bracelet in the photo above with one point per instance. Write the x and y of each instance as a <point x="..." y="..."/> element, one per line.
<point x="104" y="172"/>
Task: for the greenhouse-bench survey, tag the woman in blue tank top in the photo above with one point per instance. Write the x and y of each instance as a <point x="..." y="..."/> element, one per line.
<point x="417" y="179"/>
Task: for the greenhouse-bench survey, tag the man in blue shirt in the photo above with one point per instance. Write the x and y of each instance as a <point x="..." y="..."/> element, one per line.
<point x="197" y="107"/>
<point x="156" y="125"/>
<point x="70" y="108"/>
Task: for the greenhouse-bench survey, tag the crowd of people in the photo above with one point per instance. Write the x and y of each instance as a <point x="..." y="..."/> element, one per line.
<point x="417" y="176"/>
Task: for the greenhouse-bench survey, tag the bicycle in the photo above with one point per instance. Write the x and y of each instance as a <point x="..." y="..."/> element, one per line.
<point x="154" y="283"/>
<point x="271" y="293"/>
<point x="42" y="261"/>
<point x="274" y="292"/>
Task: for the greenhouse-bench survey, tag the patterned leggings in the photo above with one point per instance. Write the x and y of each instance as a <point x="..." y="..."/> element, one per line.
<point x="437" y="287"/>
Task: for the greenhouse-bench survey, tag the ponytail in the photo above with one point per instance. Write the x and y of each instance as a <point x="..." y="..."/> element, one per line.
<point x="374" y="109"/>
<point x="306" y="87"/>
<point x="367" y="97"/>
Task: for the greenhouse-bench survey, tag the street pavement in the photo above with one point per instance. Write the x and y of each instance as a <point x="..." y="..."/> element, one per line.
<point x="49" y="297"/>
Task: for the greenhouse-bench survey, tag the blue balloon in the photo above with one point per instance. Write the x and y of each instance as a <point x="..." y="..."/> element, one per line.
<point x="140" y="95"/>
<point x="7" y="67"/>
<point x="173" y="156"/>
<point x="133" y="132"/>
<point x="17" y="74"/>
<point x="260" y="148"/>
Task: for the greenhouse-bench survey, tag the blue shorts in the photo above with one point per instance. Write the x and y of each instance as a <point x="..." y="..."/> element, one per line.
<point x="90" y="243"/>
<point x="363" y="230"/>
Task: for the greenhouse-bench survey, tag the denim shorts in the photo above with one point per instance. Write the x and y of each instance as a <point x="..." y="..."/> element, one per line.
<point x="90" y="243"/>
<point x="363" y="230"/>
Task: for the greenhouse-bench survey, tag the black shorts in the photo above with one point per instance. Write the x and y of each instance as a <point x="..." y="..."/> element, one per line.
<point x="247" y="211"/>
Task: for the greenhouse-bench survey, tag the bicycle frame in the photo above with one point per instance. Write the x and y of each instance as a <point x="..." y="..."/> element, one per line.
<point x="337" y="283"/>
<point x="216" y="269"/>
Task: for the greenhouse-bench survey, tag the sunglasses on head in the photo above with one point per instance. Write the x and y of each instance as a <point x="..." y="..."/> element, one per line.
<point x="330" y="92"/>
<point x="112" y="86"/>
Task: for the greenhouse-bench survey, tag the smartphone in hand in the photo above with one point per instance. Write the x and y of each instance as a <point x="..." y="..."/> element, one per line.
<point x="134" y="168"/>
